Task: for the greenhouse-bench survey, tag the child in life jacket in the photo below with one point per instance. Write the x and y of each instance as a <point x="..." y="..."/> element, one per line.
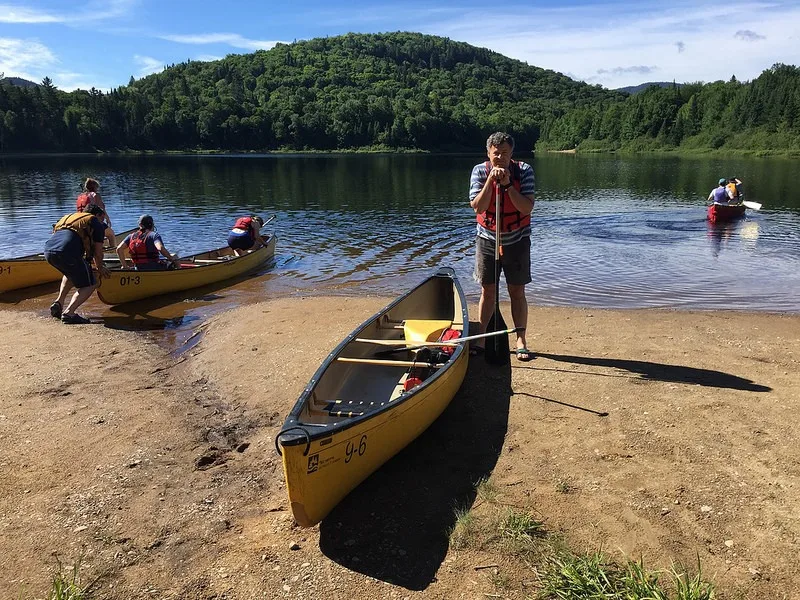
<point x="91" y="195"/>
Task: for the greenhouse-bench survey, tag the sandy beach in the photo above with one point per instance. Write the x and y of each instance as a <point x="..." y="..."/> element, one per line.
<point x="662" y="435"/>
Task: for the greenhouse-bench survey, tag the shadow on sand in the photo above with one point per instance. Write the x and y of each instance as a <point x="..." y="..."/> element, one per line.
<point x="662" y="372"/>
<point x="395" y="526"/>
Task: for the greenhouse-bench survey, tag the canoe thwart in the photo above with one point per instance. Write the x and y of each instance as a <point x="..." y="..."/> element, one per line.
<point x="390" y="363"/>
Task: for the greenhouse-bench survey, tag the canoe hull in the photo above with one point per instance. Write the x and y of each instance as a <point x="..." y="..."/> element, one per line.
<point x="128" y="285"/>
<point x="18" y="273"/>
<point x="27" y="271"/>
<point x="720" y="213"/>
<point x="323" y="461"/>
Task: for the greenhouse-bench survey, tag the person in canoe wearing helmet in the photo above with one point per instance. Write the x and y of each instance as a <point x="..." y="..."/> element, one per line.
<point x="719" y="194"/>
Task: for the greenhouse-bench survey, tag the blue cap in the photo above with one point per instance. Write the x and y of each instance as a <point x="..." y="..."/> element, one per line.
<point x="723" y="181"/>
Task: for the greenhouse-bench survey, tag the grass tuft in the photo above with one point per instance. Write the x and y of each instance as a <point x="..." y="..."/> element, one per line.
<point x="67" y="585"/>
<point x="520" y="526"/>
<point x="465" y="533"/>
<point x="487" y="491"/>
<point x="575" y="577"/>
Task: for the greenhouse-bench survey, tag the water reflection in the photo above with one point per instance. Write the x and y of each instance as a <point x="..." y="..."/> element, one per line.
<point x="607" y="231"/>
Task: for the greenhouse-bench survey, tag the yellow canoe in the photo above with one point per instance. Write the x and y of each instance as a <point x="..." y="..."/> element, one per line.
<point x="127" y="285"/>
<point x="26" y="271"/>
<point x="364" y="404"/>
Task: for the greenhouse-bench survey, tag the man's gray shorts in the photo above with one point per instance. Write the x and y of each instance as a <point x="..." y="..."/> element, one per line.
<point x="515" y="262"/>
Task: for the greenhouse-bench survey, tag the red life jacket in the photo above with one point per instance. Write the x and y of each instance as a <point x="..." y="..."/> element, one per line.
<point x="87" y="198"/>
<point x="512" y="218"/>
<point x="83" y="201"/>
<point x="245" y="223"/>
<point x="137" y="247"/>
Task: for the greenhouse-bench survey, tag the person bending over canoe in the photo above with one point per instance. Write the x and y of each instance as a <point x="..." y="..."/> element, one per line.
<point x="77" y="238"/>
<point x="91" y="195"/>
<point x="246" y="235"/>
<point x="145" y="248"/>
<point x="516" y="181"/>
<point x="720" y="193"/>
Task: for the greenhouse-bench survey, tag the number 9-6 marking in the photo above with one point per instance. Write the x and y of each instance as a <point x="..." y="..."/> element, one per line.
<point x="129" y="280"/>
<point x="351" y="450"/>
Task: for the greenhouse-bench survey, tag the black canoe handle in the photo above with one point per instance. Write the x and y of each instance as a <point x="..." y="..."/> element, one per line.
<point x="292" y="428"/>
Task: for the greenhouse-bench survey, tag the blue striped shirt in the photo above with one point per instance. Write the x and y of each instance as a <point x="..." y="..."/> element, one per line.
<point x="527" y="188"/>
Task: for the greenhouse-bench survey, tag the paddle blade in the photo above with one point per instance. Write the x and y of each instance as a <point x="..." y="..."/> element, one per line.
<point x="753" y="205"/>
<point x="497" y="350"/>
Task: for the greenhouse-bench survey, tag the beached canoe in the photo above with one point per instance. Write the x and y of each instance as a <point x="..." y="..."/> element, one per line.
<point x="721" y="212"/>
<point x="368" y="401"/>
<point x="26" y="271"/>
<point x="127" y="285"/>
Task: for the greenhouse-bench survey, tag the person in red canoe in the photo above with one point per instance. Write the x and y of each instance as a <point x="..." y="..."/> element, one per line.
<point x="720" y="193"/>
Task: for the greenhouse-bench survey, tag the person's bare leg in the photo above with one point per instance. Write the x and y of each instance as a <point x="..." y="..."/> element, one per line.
<point x="519" y="312"/>
<point x="81" y="295"/>
<point x="56" y="308"/>
<point x="485" y="310"/>
<point x="112" y="239"/>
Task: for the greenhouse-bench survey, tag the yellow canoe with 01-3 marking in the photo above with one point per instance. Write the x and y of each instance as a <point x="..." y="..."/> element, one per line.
<point x="127" y="285"/>
<point x="27" y="271"/>
<point x="375" y="393"/>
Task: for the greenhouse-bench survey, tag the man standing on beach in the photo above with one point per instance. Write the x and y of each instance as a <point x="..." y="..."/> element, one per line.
<point x="77" y="239"/>
<point x="514" y="182"/>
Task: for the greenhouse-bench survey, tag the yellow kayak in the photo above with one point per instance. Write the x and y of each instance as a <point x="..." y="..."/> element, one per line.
<point x="26" y="271"/>
<point x="127" y="285"/>
<point x="374" y="394"/>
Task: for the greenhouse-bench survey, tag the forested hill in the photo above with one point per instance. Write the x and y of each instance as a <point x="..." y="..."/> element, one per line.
<point x="394" y="90"/>
<point x="758" y="117"/>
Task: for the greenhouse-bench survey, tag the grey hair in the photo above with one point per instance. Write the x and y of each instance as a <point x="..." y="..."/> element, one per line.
<point x="499" y="137"/>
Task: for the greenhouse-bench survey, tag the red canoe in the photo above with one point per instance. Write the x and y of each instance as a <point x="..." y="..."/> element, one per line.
<point x="719" y="213"/>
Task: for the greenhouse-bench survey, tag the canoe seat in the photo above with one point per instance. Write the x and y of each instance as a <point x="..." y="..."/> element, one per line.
<point x="347" y="408"/>
<point x="424" y="330"/>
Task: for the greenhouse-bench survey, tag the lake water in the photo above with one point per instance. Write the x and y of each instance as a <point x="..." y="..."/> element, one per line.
<point x="608" y="232"/>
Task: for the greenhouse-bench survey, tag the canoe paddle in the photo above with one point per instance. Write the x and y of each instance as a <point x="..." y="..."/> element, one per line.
<point x="753" y="205"/>
<point x="497" y="350"/>
<point x="453" y="342"/>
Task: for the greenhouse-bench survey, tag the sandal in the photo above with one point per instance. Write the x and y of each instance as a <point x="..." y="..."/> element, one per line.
<point x="524" y="355"/>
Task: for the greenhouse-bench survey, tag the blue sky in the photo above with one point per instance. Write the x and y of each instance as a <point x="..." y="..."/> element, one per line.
<point x="85" y="43"/>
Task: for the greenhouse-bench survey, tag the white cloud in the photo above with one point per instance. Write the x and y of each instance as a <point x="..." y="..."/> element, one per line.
<point x="584" y="39"/>
<point x="148" y="65"/>
<point x="25" y="58"/>
<point x="94" y="11"/>
<point x="231" y="39"/>
<point x="13" y="14"/>
<point x="69" y="81"/>
<point x="208" y="57"/>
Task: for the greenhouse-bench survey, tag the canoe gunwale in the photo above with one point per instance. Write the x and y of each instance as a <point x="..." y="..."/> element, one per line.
<point x="285" y="437"/>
